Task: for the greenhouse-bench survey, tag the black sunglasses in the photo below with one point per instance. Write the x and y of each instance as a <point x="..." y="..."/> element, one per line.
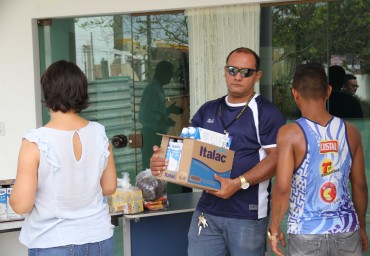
<point x="245" y="72"/>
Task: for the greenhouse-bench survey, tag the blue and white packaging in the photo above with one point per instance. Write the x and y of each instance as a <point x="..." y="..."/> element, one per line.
<point x="207" y="136"/>
<point x="3" y="203"/>
<point x="11" y="213"/>
<point x="173" y="154"/>
<point x="168" y="151"/>
<point x="199" y="162"/>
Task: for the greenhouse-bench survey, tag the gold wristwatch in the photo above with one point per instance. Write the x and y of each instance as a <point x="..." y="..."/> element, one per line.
<point x="273" y="237"/>
<point x="244" y="184"/>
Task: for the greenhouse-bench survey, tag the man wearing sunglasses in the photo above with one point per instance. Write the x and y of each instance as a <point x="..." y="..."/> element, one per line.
<point x="236" y="216"/>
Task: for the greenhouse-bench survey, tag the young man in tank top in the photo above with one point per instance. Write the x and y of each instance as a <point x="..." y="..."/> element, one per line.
<point x="318" y="155"/>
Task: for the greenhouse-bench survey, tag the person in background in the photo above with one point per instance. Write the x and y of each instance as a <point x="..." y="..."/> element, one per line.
<point x="341" y="104"/>
<point x="350" y="85"/>
<point x="319" y="154"/>
<point x="154" y="114"/>
<point x="65" y="169"/>
<point x="237" y="214"/>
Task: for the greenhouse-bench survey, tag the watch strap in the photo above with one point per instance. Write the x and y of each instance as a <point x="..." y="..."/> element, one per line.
<point x="242" y="179"/>
<point x="273" y="236"/>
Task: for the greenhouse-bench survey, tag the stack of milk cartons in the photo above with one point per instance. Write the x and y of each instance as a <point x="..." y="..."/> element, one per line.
<point x="3" y="203"/>
<point x="207" y="136"/>
<point x="174" y="148"/>
<point x="6" y="210"/>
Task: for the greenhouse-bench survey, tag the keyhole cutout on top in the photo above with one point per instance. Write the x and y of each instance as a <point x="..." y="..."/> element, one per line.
<point x="77" y="146"/>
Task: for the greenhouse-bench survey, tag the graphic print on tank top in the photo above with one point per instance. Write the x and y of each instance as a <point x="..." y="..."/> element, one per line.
<point x="320" y="202"/>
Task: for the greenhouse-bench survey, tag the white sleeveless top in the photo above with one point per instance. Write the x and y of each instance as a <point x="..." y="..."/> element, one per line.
<point x="69" y="206"/>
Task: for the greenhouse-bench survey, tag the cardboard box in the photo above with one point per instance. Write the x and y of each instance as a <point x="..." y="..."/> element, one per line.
<point x="199" y="161"/>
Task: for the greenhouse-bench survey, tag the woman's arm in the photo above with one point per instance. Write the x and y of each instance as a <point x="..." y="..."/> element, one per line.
<point x="23" y="194"/>
<point x="108" y="181"/>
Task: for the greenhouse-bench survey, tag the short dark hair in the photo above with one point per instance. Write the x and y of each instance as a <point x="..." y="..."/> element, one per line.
<point x="310" y="80"/>
<point x="64" y="87"/>
<point x="348" y="77"/>
<point x="163" y="68"/>
<point x="336" y="77"/>
<point x="249" y="51"/>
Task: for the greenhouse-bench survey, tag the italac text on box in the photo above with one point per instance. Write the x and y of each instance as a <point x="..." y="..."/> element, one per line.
<point x="199" y="161"/>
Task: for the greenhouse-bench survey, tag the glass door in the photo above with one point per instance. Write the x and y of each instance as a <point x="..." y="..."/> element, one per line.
<point x="121" y="56"/>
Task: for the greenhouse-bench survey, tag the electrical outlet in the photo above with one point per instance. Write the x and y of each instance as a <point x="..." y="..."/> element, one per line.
<point x="2" y="129"/>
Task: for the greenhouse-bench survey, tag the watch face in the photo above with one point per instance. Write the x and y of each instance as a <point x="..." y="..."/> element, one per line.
<point x="245" y="185"/>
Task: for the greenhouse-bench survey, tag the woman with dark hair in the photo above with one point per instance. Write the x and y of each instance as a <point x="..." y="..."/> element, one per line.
<point x="65" y="169"/>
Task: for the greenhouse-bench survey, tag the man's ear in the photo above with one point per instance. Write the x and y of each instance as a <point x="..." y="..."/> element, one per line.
<point x="328" y="91"/>
<point x="295" y="93"/>
<point x="259" y="74"/>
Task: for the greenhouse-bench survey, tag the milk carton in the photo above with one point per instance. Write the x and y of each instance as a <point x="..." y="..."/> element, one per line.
<point x="3" y="203"/>
<point x="173" y="154"/>
<point x="207" y="136"/>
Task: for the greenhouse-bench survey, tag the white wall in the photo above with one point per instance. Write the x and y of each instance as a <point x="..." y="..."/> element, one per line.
<point x="364" y="90"/>
<point x="20" y="109"/>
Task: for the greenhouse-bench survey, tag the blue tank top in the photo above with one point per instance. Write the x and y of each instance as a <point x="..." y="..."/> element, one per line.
<point x="319" y="200"/>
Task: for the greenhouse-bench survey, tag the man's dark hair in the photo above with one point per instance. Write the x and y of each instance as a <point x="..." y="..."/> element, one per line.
<point x="64" y="87"/>
<point x="310" y="80"/>
<point x="246" y="50"/>
<point x="348" y="77"/>
<point x="336" y="77"/>
<point x="163" y="72"/>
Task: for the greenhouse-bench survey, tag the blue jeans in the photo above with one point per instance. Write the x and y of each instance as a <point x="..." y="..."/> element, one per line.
<point x="227" y="236"/>
<point x="103" y="248"/>
<point x="342" y="244"/>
